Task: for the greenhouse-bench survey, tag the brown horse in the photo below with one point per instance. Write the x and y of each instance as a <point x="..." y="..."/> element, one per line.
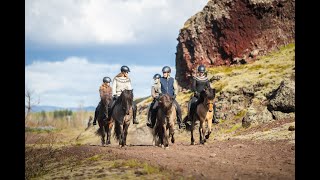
<point x="122" y="116"/>
<point x="105" y="125"/>
<point x="165" y="121"/>
<point x="204" y="113"/>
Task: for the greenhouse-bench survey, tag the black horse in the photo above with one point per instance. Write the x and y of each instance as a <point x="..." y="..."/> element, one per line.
<point x="122" y="115"/>
<point x="105" y="125"/>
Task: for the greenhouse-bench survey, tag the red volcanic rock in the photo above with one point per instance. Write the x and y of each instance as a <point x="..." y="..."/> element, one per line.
<point x="229" y="32"/>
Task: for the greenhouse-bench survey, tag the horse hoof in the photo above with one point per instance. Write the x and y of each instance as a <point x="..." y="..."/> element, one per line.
<point x="162" y="146"/>
<point x="202" y="142"/>
<point x="172" y="140"/>
<point x="192" y="143"/>
<point x="207" y="136"/>
<point x="166" y="148"/>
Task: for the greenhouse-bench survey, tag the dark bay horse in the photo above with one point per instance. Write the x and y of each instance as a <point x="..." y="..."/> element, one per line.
<point x="122" y="116"/>
<point x="165" y="121"/>
<point x="204" y="113"/>
<point x="105" y="125"/>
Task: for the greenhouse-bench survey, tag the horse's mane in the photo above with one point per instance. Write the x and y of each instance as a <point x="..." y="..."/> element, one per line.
<point x="165" y="102"/>
<point x="125" y="97"/>
<point x="124" y="101"/>
<point x="209" y="93"/>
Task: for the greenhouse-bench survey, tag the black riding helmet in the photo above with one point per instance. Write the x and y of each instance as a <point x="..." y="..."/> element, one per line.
<point x="106" y="80"/>
<point x="156" y="76"/>
<point x="125" y="69"/>
<point x="201" y="68"/>
<point x="166" y="69"/>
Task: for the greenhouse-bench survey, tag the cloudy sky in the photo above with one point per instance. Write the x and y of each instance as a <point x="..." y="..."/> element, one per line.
<point x="71" y="45"/>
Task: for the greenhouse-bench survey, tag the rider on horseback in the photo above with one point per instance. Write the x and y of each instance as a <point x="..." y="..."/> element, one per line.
<point x="155" y="92"/>
<point x="104" y="88"/>
<point x="169" y="86"/>
<point x="120" y="83"/>
<point x="200" y="82"/>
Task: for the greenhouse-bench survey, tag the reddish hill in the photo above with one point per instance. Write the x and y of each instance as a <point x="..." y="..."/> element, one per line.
<point x="229" y="32"/>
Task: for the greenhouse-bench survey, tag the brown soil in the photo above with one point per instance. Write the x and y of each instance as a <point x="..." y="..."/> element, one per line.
<point x="233" y="159"/>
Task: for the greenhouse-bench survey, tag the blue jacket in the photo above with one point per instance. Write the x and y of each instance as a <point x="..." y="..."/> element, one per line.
<point x="167" y="86"/>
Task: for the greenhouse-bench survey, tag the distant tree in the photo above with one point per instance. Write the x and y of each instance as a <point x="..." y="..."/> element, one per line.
<point x="29" y="101"/>
<point x="43" y="115"/>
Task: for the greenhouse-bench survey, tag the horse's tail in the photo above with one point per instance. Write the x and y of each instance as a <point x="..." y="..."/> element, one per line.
<point x="100" y="131"/>
<point x="117" y="130"/>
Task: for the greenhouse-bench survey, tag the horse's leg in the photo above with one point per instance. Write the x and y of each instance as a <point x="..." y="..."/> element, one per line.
<point x="209" y="128"/>
<point x="201" y="132"/>
<point x="161" y="135"/>
<point x="103" y="135"/>
<point x="126" y="126"/>
<point x="166" y="136"/>
<point x="121" y="134"/>
<point x="192" y="128"/>
<point x="171" y="132"/>
<point x="109" y="128"/>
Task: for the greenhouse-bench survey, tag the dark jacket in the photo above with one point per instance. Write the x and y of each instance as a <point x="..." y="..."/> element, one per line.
<point x="167" y="86"/>
<point x="199" y="83"/>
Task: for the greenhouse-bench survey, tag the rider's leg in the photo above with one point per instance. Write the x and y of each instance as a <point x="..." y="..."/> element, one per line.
<point x="134" y="109"/>
<point x="192" y="109"/>
<point x="178" y="109"/>
<point x="150" y="113"/>
<point x="154" y="114"/>
<point x="96" y="113"/>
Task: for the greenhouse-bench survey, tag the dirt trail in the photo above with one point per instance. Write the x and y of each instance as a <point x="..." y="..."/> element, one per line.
<point x="231" y="159"/>
<point x="270" y="156"/>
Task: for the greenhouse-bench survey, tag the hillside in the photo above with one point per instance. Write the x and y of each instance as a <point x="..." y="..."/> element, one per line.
<point x="264" y="149"/>
<point x="228" y="32"/>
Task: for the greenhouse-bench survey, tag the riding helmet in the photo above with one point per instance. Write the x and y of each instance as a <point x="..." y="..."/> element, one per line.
<point x="166" y="69"/>
<point x="201" y="68"/>
<point x="106" y="80"/>
<point x="125" y="69"/>
<point x="156" y="76"/>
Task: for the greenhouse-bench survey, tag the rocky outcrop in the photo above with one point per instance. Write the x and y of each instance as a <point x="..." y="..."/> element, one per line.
<point x="283" y="98"/>
<point x="280" y="105"/>
<point x="228" y="32"/>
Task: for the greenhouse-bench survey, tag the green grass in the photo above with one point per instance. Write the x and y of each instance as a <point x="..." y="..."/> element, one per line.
<point x="95" y="158"/>
<point x="150" y="169"/>
<point x="132" y="163"/>
<point x="234" y="128"/>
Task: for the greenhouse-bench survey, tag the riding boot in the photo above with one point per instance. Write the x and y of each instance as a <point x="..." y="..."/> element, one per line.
<point x="214" y="119"/>
<point x="178" y="111"/>
<point x="192" y="111"/>
<point x="134" y="109"/>
<point x="149" y="118"/>
<point x="96" y="113"/>
<point x="149" y="124"/>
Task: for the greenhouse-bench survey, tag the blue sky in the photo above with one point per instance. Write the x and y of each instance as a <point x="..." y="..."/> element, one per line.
<point x="71" y="45"/>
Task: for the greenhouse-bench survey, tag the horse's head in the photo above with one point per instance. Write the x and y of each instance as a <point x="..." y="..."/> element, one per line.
<point x="165" y="102"/>
<point x="209" y="95"/>
<point x="126" y="99"/>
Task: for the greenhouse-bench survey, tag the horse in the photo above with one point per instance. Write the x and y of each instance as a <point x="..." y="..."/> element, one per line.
<point x="105" y="125"/>
<point x="165" y="121"/>
<point x="122" y="116"/>
<point x="204" y="113"/>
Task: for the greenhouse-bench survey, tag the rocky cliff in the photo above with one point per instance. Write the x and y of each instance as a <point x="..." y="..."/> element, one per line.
<point x="229" y="32"/>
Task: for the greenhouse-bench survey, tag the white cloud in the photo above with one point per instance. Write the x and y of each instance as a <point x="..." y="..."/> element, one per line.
<point x="82" y="22"/>
<point x="76" y="80"/>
